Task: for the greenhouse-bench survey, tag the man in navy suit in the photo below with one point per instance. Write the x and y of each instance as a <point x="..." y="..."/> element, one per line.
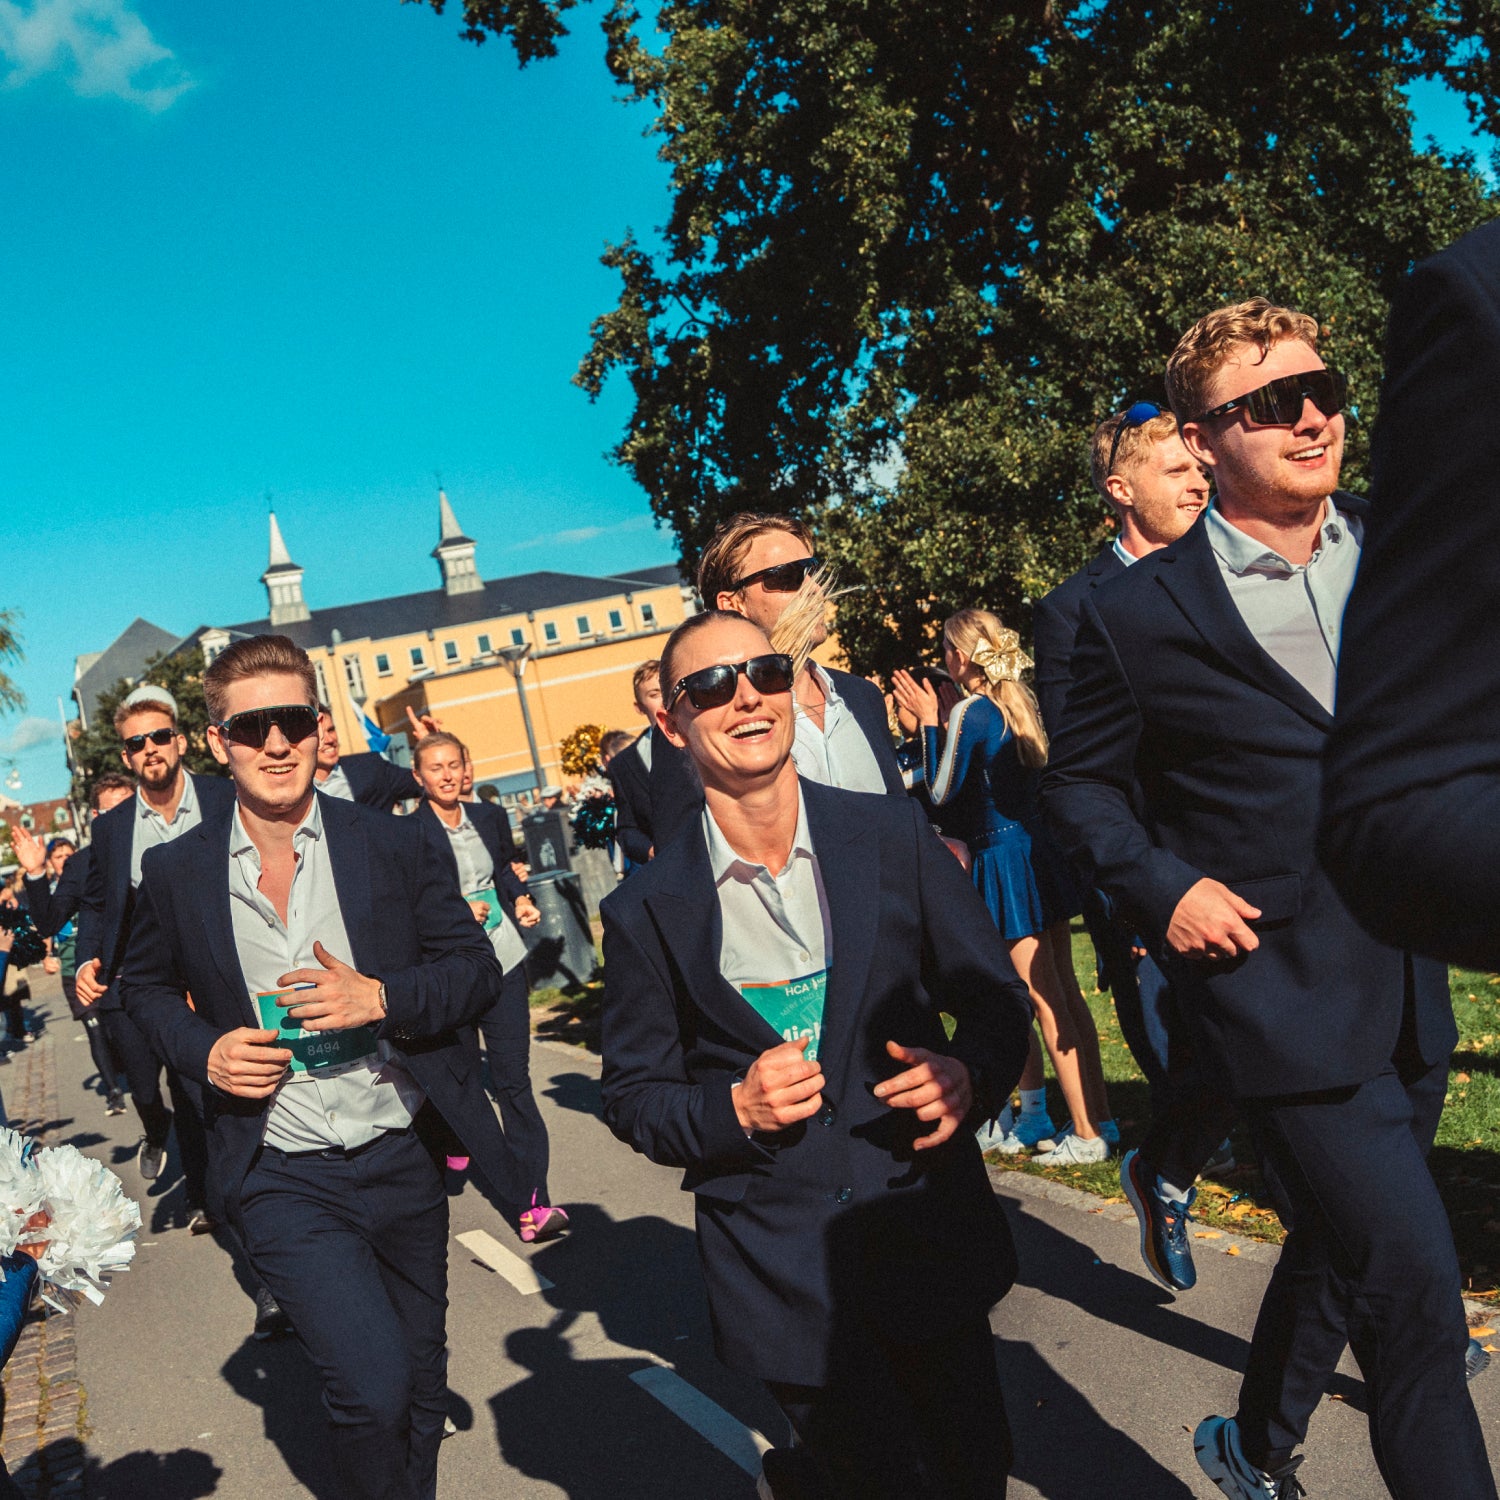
<point x="629" y="773"/>
<point x="1156" y="490"/>
<point x="1187" y="779"/>
<point x="1411" y="794"/>
<point x="772" y="1025"/>
<point x="366" y="778"/>
<point x="347" y="921"/>
<point x="169" y="800"/>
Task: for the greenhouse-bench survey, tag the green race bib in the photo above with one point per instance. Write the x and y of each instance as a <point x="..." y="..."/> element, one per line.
<point x="315" y="1054"/>
<point x="792" y="1007"/>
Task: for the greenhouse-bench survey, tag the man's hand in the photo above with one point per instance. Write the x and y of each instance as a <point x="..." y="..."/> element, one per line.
<point x="780" y="1087"/>
<point x="1209" y="923"/>
<point x="31" y="852"/>
<point x="243" y="1063"/>
<point x="339" y="998"/>
<point x="87" y="981"/>
<point x="51" y="964"/>
<point x="937" y="1087"/>
<point x="481" y="910"/>
<point x="527" y="914"/>
<point x="423" y="725"/>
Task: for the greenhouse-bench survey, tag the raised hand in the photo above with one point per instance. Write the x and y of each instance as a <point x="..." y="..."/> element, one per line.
<point x="915" y="700"/>
<point x="31" y="852"/>
<point x="339" y="997"/>
<point x="423" y="725"/>
<point x="937" y="1087"/>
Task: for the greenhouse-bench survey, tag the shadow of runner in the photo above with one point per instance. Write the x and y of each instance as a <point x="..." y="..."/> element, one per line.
<point x="186" y="1474"/>
<point x="278" y="1377"/>
<point x="576" y="1091"/>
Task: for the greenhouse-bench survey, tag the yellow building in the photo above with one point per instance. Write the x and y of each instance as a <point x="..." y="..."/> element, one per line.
<point x="444" y="651"/>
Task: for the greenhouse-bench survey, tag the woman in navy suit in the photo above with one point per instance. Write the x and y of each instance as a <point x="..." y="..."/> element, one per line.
<point x="986" y="769"/>
<point x="480" y="848"/>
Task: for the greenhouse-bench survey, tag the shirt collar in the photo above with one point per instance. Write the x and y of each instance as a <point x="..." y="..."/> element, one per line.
<point x="722" y="860"/>
<point x="186" y="803"/>
<point x="1125" y="555"/>
<point x="824" y="679"/>
<point x="240" y="842"/>
<point x="1240" y="553"/>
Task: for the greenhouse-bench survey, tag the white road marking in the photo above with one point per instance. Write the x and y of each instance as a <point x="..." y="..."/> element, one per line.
<point x="738" y="1443"/>
<point x="487" y="1248"/>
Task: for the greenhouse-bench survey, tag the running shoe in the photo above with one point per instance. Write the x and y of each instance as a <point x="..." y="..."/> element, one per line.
<point x="1476" y="1359"/>
<point x="542" y="1222"/>
<point x="1164" y="1225"/>
<point x="1108" y="1131"/>
<point x="1032" y="1130"/>
<point x="1217" y="1446"/>
<point x="270" y="1321"/>
<point x="1073" y="1151"/>
<point x="150" y="1159"/>
<point x="116" y="1104"/>
<point x="1221" y="1161"/>
<point x="998" y="1134"/>
<point x="457" y="1163"/>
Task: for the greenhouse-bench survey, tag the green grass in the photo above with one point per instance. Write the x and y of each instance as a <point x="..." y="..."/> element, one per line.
<point x="1466" y="1161"/>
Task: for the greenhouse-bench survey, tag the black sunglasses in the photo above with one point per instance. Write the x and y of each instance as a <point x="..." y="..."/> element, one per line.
<point x="784" y="578"/>
<point x="712" y="687"/>
<point x="1278" y="403"/>
<point x="135" y="743"/>
<point x="296" y="721"/>
<point x="1135" y="416"/>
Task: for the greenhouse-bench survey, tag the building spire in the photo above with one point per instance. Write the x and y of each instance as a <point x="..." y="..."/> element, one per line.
<point x="283" y="581"/>
<point x="280" y="557"/>
<point x="455" y="552"/>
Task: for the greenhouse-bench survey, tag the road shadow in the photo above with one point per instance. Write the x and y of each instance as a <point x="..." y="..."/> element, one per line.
<point x="278" y="1377"/>
<point x="575" y="1091"/>
<point x="186" y="1474"/>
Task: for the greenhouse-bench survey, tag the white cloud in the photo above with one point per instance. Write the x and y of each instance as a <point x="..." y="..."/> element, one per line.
<point x="101" y="47"/>
<point x="30" y="733"/>
<point x="583" y="534"/>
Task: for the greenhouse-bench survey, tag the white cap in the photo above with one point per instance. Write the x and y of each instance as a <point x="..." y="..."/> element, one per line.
<point x="146" y="693"/>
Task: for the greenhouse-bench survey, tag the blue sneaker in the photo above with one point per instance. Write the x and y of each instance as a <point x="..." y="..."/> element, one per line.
<point x="1031" y="1129"/>
<point x="1216" y="1444"/>
<point x="1476" y="1360"/>
<point x="1164" y="1226"/>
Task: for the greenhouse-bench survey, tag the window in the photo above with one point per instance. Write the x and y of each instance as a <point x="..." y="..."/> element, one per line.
<point x="354" y="675"/>
<point x="417" y="659"/>
<point x="450" y="651"/>
<point x="322" y="683"/>
<point x="484" y="645"/>
<point x="648" y="614"/>
<point x="518" y="637"/>
<point x="382" y="664"/>
<point x="584" y="628"/>
<point x="616" y="620"/>
<point x="549" y="630"/>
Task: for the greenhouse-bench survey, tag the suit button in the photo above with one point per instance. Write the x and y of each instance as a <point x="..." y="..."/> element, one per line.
<point x="843" y="1195"/>
<point x="825" y="1115"/>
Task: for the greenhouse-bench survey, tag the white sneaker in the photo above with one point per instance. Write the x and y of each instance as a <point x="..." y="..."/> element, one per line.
<point x="1073" y="1151"/>
<point x="1216" y="1444"/>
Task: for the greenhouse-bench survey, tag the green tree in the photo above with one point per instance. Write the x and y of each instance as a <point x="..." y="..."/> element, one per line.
<point x="12" y="698"/>
<point x="97" y="749"/>
<point x="917" y="250"/>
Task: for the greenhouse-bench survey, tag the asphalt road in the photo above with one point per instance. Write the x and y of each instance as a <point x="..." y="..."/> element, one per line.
<point x="583" y="1368"/>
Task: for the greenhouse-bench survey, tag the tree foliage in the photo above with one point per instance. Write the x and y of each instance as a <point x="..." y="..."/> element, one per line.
<point x="12" y="699"/>
<point x="917" y="250"/>
<point x="97" y="749"/>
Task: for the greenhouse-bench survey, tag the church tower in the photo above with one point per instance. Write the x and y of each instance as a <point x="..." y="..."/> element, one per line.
<point x="283" y="581"/>
<point x="455" y="553"/>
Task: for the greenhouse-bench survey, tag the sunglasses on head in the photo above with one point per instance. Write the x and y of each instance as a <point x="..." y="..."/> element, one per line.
<point x="135" y="743"/>
<point x="784" y="578"/>
<point x="712" y="687"/>
<point x="296" y="721"/>
<point x="1278" y="403"/>
<point x="1135" y="416"/>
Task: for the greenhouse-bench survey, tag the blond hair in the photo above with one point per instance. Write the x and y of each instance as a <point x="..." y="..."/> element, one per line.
<point x="1134" y="447"/>
<point x="1204" y="348"/>
<point x="127" y="711"/>
<point x="436" y="740"/>
<point x="723" y="562"/>
<point x="258" y="656"/>
<point x="968" y="631"/>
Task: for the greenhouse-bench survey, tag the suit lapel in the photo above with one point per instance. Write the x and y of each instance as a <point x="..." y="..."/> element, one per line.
<point x="1190" y="574"/>
<point x="349" y="856"/>
<point x="211" y="860"/>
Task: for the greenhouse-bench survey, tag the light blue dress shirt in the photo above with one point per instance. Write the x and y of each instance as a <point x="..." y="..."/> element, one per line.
<point x="152" y="829"/>
<point x="838" y="754"/>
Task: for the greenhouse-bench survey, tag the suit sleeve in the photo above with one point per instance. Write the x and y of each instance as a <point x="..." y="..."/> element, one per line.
<point x="1088" y="784"/>
<point x="632" y="814"/>
<point x="1411" y="793"/>
<point x="396" y="784"/>
<point x="1053" y="635"/>
<point x="91" y="904"/>
<point x="44" y="903"/>
<point x="867" y="704"/>
<point x="966" y="967"/>
<point x="152" y="987"/>
<point x="650" y="1103"/>
<point x="458" y="976"/>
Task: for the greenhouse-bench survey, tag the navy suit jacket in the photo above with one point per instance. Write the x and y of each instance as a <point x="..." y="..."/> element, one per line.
<point x="376" y="782"/>
<point x="1411" y="796"/>
<point x="52" y="909"/>
<point x="1176" y="710"/>
<point x="634" y="830"/>
<point x="407" y="925"/>
<point x="493" y="827"/>
<point x="104" y="914"/>
<point x="677" y="794"/>
<point x="1054" y="628"/>
<point x="833" y="1219"/>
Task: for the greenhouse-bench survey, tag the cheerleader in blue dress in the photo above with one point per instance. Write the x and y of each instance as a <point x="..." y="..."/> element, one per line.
<point x="985" y="772"/>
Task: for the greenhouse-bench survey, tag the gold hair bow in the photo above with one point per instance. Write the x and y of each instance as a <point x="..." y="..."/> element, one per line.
<point x="1004" y="661"/>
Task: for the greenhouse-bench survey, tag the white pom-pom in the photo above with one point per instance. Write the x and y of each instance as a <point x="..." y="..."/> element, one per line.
<point x="20" y="1189"/>
<point x="93" y="1224"/>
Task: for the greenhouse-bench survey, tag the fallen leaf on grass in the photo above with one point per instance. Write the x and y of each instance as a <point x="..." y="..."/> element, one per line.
<point x="1208" y="1234"/>
<point x="1233" y="1250"/>
<point x="1461" y="1078"/>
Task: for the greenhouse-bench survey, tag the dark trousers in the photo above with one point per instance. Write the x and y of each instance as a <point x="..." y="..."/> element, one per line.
<point x="354" y="1248"/>
<point x="946" y="1394"/>
<point x="506" y="1029"/>
<point x="106" y="1064"/>
<point x="1368" y="1262"/>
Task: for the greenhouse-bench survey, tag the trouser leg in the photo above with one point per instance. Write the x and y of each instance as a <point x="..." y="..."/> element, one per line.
<point x="103" y="1054"/>
<point x="142" y="1072"/>
<point x="506" y="1028"/>
<point x="192" y="1140"/>
<point x="355" y="1252"/>
<point x="1369" y="1254"/>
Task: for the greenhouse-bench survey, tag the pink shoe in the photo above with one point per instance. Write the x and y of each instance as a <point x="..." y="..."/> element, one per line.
<point x="457" y="1163"/>
<point x="542" y="1222"/>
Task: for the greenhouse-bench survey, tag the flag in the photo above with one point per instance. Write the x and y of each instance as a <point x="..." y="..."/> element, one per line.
<point x="378" y="740"/>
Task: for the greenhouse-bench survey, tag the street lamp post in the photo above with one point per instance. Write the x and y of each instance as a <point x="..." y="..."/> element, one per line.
<point x="516" y="657"/>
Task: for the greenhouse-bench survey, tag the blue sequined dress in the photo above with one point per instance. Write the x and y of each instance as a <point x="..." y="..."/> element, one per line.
<point x="1024" y="880"/>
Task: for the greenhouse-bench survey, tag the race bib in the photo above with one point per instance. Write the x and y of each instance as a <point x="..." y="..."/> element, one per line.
<point x="315" y="1054"/>
<point x="505" y="936"/>
<point x="792" y="1007"/>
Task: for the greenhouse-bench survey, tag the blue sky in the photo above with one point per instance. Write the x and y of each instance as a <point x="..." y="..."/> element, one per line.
<point x="318" y="249"/>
